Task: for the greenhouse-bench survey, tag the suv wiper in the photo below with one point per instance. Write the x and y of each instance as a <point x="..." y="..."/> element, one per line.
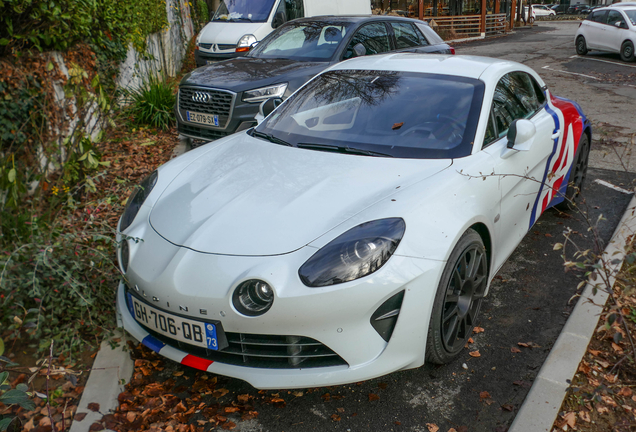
<point x="338" y="149"/>
<point x="270" y="138"/>
<point x="241" y="19"/>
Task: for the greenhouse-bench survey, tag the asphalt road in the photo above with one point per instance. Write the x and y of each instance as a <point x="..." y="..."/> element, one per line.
<point x="529" y="300"/>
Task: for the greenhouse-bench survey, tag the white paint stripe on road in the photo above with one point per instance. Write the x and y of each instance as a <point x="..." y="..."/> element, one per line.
<point x="604" y="61"/>
<point x="571" y="73"/>
<point x="611" y="186"/>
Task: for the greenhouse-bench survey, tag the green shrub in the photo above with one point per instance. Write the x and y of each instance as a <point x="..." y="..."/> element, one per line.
<point x="152" y="104"/>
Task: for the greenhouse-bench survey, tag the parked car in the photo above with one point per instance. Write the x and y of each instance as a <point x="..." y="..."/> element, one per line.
<point x="578" y="9"/>
<point x="611" y="29"/>
<point x="223" y="98"/>
<point x="237" y="24"/>
<point x="355" y="231"/>
<point x="560" y="9"/>
<point x="542" y="10"/>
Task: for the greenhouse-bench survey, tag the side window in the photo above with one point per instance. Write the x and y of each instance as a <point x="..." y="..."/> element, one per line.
<point x="613" y="17"/>
<point x="599" y="16"/>
<point x="373" y="37"/>
<point x="294" y="9"/>
<point x="514" y="98"/>
<point x="491" y="134"/>
<point x="405" y="36"/>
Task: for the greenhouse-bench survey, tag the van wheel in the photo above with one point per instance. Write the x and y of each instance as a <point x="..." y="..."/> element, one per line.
<point x="581" y="46"/>
<point x="627" y="51"/>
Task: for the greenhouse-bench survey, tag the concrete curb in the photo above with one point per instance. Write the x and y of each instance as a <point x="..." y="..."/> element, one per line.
<point x="540" y="408"/>
<point x="112" y="369"/>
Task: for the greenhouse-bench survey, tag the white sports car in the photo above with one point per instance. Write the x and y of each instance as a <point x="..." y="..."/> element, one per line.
<point x="355" y="231"/>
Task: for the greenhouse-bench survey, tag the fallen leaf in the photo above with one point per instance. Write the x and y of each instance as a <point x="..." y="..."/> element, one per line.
<point x="603" y="363"/>
<point x="243" y="398"/>
<point x="95" y="427"/>
<point x="602" y="409"/>
<point x="382" y="385"/>
<point x="594" y="352"/>
<point x="373" y="397"/>
<point x="585" y="416"/>
<point x="570" y="419"/>
<point x="79" y="417"/>
<point x="474" y="353"/>
<point x="231" y="409"/>
<point x="508" y="407"/>
<point x="515" y="350"/>
<point x="397" y="125"/>
<point x="93" y="407"/>
<point x="340" y="410"/>
<point x="484" y="395"/>
<point x="616" y="347"/>
<point x="625" y="391"/>
<point x="477" y="330"/>
<point x="335" y="417"/>
<point x="229" y="425"/>
<point x="452" y="430"/>
<point x="298" y="393"/>
<point x="177" y="373"/>
<point x="398" y="423"/>
<point x="432" y="427"/>
<point x="470" y="340"/>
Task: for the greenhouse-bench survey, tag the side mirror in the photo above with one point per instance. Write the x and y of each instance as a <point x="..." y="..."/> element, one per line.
<point x="520" y="134"/>
<point x="279" y="19"/>
<point x="359" y="49"/>
<point x="268" y="106"/>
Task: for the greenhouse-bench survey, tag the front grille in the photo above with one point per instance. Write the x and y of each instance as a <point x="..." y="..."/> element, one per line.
<point x="219" y="102"/>
<point x="226" y="46"/>
<point x="201" y="133"/>
<point x="264" y="351"/>
<point x="205" y="45"/>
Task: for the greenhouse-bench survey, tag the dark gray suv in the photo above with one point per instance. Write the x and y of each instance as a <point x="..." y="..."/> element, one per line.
<point x="223" y="98"/>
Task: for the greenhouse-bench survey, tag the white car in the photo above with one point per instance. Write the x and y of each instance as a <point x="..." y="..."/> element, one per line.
<point x="355" y="231"/>
<point x="611" y="29"/>
<point x="542" y="10"/>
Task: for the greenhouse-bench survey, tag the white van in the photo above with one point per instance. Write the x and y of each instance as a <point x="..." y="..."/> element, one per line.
<point x="237" y="24"/>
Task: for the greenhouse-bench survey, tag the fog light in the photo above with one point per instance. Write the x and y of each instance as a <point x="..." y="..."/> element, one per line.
<point x="253" y="297"/>
<point x="124" y="256"/>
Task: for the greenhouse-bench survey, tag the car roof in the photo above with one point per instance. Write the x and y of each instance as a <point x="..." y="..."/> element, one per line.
<point x="623" y="5"/>
<point x="455" y="65"/>
<point x="627" y="6"/>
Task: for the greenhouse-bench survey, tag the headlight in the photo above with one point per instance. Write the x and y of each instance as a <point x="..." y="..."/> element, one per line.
<point x="264" y="93"/>
<point x="357" y="253"/>
<point x="124" y="255"/>
<point x="198" y="40"/>
<point x="253" y="297"/>
<point x="245" y="43"/>
<point x="136" y="199"/>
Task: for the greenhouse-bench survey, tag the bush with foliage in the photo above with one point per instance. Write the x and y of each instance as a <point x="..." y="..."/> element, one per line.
<point x="152" y="103"/>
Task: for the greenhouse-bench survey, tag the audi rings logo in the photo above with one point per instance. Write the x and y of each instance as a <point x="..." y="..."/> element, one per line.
<point x="201" y="97"/>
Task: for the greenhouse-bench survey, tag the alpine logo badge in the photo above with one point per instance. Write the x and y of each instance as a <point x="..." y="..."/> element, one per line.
<point x="201" y="97"/>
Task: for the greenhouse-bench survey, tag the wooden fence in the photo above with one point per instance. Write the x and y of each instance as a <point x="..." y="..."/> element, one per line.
<point x="466" y="26"/>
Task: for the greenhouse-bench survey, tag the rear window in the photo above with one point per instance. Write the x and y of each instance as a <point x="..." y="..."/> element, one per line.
<point x="407" y="115"/>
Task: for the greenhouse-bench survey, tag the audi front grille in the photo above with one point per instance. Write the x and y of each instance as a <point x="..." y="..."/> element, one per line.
<point x="207" y="101"/>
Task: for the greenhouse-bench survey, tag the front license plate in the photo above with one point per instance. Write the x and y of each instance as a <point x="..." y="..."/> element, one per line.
<point x="205" y="119"/>
<point x="175" y="327"/>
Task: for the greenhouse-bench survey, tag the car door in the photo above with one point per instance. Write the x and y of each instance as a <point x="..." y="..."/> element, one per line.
<point x="595" y="25"/>
<point x="614" y="35"/>
<point x="520" y="172"/>
<point x="374" y="38"/>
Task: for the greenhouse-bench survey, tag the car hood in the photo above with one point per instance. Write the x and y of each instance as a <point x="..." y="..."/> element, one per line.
<point x="246" y="196"/>
<point x="247" y="73"/>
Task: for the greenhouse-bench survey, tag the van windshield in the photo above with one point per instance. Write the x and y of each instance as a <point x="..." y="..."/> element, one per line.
<point x="244" y="10"/>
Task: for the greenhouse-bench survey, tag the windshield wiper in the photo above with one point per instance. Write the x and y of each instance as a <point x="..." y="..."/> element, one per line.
<point x="241" y="19"/>
<point x="270" y="138"/>
<point x="339" y="149"/>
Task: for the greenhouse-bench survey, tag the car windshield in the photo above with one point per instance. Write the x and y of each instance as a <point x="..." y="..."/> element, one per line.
<point x="311" y="41"/>
<point x="382" y="113"/>
<point x="631" y="14"/>
<point x="244" y="10"/>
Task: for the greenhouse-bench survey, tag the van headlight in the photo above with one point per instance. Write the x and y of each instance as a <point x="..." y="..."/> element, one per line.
<point x="245" y="43"/>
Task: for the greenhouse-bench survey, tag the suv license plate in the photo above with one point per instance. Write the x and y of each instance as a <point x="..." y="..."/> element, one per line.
<point x="205" y="119"/>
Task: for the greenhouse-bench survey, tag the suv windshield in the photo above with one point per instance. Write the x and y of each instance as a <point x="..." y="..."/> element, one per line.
<point x="244" y="10"/>
<point x="398" y="114"/>
<point x="312" y="41"/>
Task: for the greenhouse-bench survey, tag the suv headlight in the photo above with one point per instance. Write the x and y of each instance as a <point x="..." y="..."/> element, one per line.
<point x="357" y="253"/>
<point x="245" y="43"/>
<point x="136" y="200"/>
<point x="264" y="93"/>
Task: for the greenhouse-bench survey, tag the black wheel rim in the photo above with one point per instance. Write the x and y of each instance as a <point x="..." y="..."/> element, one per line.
<point x="627" y="51"/>
<point x="464" y="293"/>
<point x="581" y="45"/>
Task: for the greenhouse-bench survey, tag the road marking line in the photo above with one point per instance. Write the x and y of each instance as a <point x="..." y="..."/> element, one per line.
<point x="571" y="73"/>
<point x="611" y="186"/>
<point x="604" y="61"/>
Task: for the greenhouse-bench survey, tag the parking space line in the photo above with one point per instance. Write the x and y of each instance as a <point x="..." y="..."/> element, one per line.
<point x="611" y="186"/>
<point x="571" y="73"/>
<point x="604" y="61"/>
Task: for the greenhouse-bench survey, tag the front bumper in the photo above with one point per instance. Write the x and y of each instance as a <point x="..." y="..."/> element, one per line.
<point x="338" y="317"/>
<point x="202" y="57"/>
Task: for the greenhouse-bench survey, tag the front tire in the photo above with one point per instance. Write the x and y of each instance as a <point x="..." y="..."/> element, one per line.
<point x="627" y="51"/>
<point x="458" y="299"/>
<point x="581" y="46"/>
<point x="577" y="177"/>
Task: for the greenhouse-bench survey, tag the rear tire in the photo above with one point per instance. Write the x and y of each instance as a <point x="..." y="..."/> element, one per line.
<point x="577" y="177"/>
<point x="458" y="300"/>
<point x="627" y="51"/>
<point x="581" y="46"/>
